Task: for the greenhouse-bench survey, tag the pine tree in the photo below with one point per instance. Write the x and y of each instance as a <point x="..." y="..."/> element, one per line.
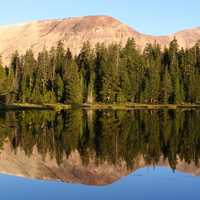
<point x="178" y="96"/>
<point x="128" y="72"/>
<point x="58" y="88"/>
<point x="152" y="56"/>
<point x="28" y="76"/>
<point x="85" y="62"/>
<point x="42" y="71"/>
<point x="4" y="87"/>
<point x="110" y="89"/>
<point x="73" y="83"/>
<point x="166" y="91"/>
<point x="60" y="59"/>
<point x="100" y="70"/>
<point x="16" y="73"/>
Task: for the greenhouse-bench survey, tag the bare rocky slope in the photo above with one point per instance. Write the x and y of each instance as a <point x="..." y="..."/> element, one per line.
<point x="74" y="31"/>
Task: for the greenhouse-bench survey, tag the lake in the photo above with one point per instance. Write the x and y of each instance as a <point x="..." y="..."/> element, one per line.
<point x="100" y="154"/>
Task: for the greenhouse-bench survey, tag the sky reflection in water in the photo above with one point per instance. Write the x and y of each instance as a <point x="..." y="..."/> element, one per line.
<point x="146" y="183"/>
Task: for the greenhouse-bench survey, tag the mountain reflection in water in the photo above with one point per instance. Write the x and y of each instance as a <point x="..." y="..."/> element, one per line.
<point x="97" y="147"/>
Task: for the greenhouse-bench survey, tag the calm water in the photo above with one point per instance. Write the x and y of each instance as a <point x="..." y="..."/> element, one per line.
<point x="100" y="154"/>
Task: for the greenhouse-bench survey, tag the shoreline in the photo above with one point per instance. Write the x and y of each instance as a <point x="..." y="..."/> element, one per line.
<point x="98" y="106"/>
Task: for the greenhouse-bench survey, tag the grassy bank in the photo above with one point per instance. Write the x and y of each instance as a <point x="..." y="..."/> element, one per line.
<point x="122" y="106"/>
<point x="128" y="106"/>
<point x="28" y="106"/>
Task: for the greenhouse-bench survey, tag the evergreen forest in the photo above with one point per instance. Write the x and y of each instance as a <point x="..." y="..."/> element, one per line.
<point x="105" y="74"/>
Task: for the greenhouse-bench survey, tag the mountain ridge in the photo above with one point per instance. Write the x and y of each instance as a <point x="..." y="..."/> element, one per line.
<point x="74" y="31"/>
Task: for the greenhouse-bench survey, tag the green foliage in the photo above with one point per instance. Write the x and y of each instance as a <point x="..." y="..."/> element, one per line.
<point x="110" y="80"/>
<point x="166" y="92"/>
<point x="73" y="84"/>
<point x="129" y="72"/>
<point x="85" y="62"/>
<point x="151" y="87"/>
<point x="58" y="88"/>
<point x="106" y="74"/>
<point x="4" y="87"/>
<point x="105" y="135"/>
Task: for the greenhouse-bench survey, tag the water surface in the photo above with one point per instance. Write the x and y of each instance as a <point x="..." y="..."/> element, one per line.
<point x="103" y="154"/>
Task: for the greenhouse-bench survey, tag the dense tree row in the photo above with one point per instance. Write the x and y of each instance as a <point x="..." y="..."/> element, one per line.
<point x="105" y="74"/>
<point x="110" y="136"/>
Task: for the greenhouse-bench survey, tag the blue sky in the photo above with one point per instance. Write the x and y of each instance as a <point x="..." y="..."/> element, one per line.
<point x="156" y="17"/>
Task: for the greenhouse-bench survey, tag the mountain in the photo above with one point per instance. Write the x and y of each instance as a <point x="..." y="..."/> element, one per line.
<point x="74" y="31"/>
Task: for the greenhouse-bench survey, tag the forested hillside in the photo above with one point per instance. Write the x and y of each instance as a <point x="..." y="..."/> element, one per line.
<point x="107" y="74"/>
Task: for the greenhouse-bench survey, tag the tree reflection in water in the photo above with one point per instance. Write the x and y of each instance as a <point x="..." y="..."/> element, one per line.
<point x="111" y="136"/>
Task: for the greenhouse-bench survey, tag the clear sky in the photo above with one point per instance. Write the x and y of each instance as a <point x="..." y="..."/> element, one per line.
<point x="151" y="16"/>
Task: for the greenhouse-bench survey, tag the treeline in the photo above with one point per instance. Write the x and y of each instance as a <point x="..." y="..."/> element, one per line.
<point x="108" y="136"/>
<point x="112" y="74"/>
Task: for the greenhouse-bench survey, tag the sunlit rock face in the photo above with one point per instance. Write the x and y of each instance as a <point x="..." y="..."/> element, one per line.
<point x="74" y="31"/>
<point x="97" y="147"/>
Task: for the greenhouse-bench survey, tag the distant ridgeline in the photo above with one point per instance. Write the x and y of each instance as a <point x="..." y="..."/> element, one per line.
<point x="105" y="74"/>
<point x="106" y="135"/>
